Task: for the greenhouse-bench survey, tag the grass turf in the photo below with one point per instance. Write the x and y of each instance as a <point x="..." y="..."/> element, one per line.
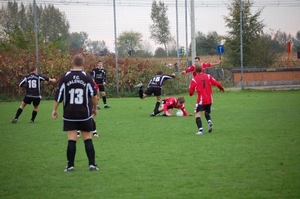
<point x="253" y="151"/>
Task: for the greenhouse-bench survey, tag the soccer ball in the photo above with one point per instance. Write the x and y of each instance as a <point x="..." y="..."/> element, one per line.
<point x="179" y="113"/>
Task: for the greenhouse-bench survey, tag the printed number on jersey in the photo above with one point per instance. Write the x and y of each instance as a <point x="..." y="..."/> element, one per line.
<point x="76" y="96"/>
<point x="32" y="83"/>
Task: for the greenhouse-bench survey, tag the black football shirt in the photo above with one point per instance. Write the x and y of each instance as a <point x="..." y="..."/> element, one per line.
<point x="75" y="90"/>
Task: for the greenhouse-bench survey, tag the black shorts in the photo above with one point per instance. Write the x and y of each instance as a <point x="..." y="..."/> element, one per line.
<point x="35" y="101"/>
<point x="205" y="108"/>
<point x="101" y="87"/>
<point x="164" y="101"/>
<point x="82" y="126"/>
<point x="155" y="90"/>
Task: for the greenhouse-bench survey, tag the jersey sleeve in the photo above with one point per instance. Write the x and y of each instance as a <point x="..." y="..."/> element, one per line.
<point x="214" y="82"/>
<point x="192" y="87"/>
<point x="190" y="69"/>
<point x="184" y="111"/>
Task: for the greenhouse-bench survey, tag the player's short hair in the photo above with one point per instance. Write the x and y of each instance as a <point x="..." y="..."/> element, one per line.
<point x="198" y="67"/>
<point x="78" y="60"/>
<point x="159" y="72"/>
<point x="32" y="68"/>
<point x="99" y="61"/>
<point x="181" y="100"/>
<point x="198" y="58"/>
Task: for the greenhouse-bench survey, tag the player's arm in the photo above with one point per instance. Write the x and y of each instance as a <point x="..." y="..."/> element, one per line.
<point x="188" y="70"/>
<point x="54" y="111"/>
<point x="52" y="79"/>
<point x="216" y="63"/>
<point x="94" y="101"/>
<point x="216" y="83"/>
<point x="104" y="77"/>
<point x="184" y="112"/>
<point x="192" y="87"/>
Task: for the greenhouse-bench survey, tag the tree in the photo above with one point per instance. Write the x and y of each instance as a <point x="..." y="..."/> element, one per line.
<point x="160" y="52"/>
<point x="129" y="42"/>
<point x="51" y="23"/>
<point x="265" y="52"/>
<point x="282" y="38"/>
<point x="145" y="51"/>
<point x="252" y="28"/>
<point x="296" y="42"/>
<point x="160" y="29"/>
<point x="77" y="40"/>
<point x="206" y="45"/>
<point x="97" y="47"/>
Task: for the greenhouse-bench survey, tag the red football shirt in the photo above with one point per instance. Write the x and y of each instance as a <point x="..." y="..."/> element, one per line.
<point x="192" y="68"/>
<point x="173" y="102"/>
<point x="202" y="84"/>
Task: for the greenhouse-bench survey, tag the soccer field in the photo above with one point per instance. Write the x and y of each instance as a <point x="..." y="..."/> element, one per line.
<point x="253" y="151"/>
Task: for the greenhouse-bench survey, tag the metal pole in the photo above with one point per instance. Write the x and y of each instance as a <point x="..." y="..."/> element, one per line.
<point x="36" y="37"/>
<point x="241" y="41"/>
<point x="177" y="38"/>
<point x="193" y="40"/>
<point x="186" y="37"/>
<point x="116" y="48"/>
<point x="186" y="42"/>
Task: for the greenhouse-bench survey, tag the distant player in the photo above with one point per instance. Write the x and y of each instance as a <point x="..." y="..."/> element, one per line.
<point x="168" y="104"/>
<point x="154" y="87"/>
<point x="99" y="75"/>
<point x="201" y="83"/>
<point x="204" y="65"/>
<point x="33" y="92"/>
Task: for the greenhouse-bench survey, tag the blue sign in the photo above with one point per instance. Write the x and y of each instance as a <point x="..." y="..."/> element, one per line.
<point x="220" y="49"/>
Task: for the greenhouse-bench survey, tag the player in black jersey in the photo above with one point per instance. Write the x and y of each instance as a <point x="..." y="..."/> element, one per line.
<point x="77" y="92"/>
<point x="99" y="75"/>
<point x="33" y="92"/>
<point x="154" y="87"/>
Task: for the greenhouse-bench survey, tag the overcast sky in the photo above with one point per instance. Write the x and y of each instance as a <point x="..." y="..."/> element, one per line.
<point x="96" y="17"/>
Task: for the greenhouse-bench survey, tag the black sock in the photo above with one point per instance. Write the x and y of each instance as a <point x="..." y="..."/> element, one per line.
<point x="19" y="111"/>
<point x="156" y="112"/>
<point x="90" y="151"/>
<point x="207" y="116"/>
<point x="104" y="100"/>
<point x="94" y="124"/>
<point x="198" y="122"/>
<point x="71" y="151"/>
<point x="156" y="106"/>
<point x="141" y="92"/>
<point x="33" y="115"/>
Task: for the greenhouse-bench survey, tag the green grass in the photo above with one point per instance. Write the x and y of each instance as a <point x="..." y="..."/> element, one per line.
<point x="253" y="151"/>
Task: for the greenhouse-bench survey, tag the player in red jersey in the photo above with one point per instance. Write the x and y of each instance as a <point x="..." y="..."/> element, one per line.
<point x="169" y="103"/>
<point x="203" y="64"/>
<point x="201" y="83"/>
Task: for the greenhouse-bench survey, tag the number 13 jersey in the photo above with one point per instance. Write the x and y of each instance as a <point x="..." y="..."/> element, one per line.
<point x="75" y="89"/>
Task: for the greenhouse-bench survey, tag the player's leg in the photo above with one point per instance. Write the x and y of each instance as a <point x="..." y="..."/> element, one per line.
<point x="198" y="120"/>
<point x="20" y="109"/>
<point x="86" y="128"/>
<point x="208" y="117"/>
<point x="36" y="103"/>
<point x="157" y="93"/>
<point x="95" y="134"/>
<point x="103" y="93"/>
<point x="160" y="109"/>
<point x="71" y="148"/>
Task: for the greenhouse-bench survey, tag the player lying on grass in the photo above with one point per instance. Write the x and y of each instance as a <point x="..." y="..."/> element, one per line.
<point x="169" y="103"/>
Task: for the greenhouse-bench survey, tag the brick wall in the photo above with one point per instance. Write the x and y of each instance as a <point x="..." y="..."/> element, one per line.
<point x="267" y="77"/>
